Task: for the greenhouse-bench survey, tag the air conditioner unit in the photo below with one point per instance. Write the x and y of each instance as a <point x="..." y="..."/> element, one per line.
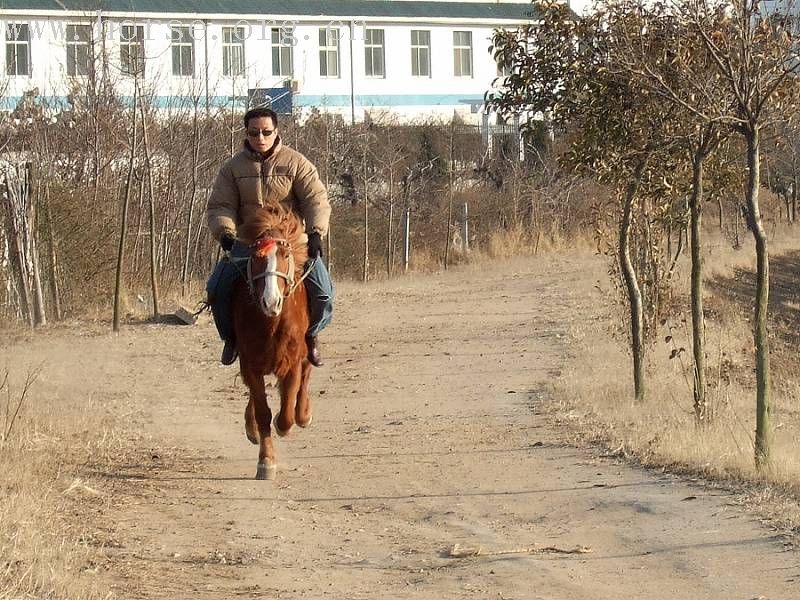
<point x="293" y="85"/>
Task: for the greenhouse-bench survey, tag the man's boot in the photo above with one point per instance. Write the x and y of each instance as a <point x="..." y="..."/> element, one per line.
<point x="229" y="353"/>
<point x="314" y="356"/>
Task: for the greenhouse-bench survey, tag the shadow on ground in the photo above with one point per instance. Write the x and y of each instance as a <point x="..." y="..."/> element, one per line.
<point x="784" y="295"/>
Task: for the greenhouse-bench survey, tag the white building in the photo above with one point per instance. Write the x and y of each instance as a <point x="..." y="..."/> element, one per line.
<point x="411" y="58"/>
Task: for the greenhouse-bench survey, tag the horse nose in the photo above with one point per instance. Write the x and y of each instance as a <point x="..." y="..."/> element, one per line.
<point x="272" y="308"/>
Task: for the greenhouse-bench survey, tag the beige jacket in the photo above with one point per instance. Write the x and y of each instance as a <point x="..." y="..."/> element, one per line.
<point x="250" y="179"/>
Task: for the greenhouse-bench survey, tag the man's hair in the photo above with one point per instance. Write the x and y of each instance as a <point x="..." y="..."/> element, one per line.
<point x="256" y="113"/>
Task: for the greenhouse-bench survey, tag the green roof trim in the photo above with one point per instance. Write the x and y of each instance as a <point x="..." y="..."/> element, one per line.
<point x="303" y="8"/>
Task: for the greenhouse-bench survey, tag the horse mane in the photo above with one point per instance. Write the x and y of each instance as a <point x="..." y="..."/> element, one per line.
<point x="277" y="222"/>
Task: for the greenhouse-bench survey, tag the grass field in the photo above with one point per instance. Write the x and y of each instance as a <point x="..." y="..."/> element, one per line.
<point x="661" y="432"/>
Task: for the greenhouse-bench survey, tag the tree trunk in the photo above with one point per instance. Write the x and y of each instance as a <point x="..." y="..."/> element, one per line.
<point x="152" y="211"/>
<point x="366" y="224"/>
<point x="763" y="445"/>
<point x="137" y="252"/>
<point x="669" y="238"/>
<point x="449" y="201"/>
<point x="698" y="321"/>
<point x="631" y="282"/>
<point x="167" y="224"/>
<point x="97" y="159"/>
<point x="124" y="220"/>
<point x="328" y="244"/>
<point x="194" y="262"/>
<point x="33" y="226"/>
<point x="190" y="216"/>
<point x="651" y="260"/>
<point x="390" y="228"/>
<point x="17" y="200"/>
<point x="54" y="289"/>
<point x="138" y="243"/>
<point x="449" y="222"/>
<point x="163" y="246"/>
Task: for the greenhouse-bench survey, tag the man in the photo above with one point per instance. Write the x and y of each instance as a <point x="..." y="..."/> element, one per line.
<point x="267" y="173"/>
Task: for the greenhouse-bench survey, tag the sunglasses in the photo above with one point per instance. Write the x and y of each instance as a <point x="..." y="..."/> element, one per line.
<point x="254" y="133"/>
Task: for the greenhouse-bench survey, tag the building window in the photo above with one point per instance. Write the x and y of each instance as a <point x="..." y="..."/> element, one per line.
<point x="233" y="51"/>
<point x="329" y="52"/>
<point x="182" y="51"/>
<point x="503" y="71"/>
<point x="420" y="53"/>
<point x="373" y="53"/>
<point x="282" y="52"/>
<point x="18" y="49"/>
<point x="462" y="53"/>
<point x="79" y="55"/>
<point x="131" y="50"/>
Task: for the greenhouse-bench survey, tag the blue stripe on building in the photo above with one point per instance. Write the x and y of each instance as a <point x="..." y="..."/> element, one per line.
<point x="282" y="102"/>
<point x="388" y="100"/>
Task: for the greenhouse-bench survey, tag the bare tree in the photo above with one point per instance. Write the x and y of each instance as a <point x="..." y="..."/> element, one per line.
<point x="123" y="230"/>
<point x="573" y="72"/>
<point x="755" y="55"/>
<point x="151" y="210"/>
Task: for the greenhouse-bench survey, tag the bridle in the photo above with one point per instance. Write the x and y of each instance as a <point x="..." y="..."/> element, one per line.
<point x="260" y="248"/>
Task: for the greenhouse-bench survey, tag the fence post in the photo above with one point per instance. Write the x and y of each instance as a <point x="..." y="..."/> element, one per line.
<point x="485" y="133"/>
<point x="407" y="240"/>
<point x="465" y="227"/>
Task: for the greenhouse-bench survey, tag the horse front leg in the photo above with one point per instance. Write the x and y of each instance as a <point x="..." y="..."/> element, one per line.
<point x="289" y="386"/>
<point x="302" y="411"/>
<point x="250" y="424"/>
<point x="258" y="407"/>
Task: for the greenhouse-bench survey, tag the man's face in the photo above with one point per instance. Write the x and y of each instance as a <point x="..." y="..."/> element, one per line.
<point x="261" y="133"/>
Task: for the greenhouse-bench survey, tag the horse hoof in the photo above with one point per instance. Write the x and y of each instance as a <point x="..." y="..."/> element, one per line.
<point x="252" y="437"/>
<point x="278" y="430"/>
<point x="300" y="423"/>
<point x="265" y="472"/>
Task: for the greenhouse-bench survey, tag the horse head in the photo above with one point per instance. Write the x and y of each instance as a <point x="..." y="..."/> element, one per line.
<point x="277" y="254"/>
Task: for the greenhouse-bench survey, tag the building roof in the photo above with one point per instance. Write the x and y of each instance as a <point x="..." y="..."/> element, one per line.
<point x="389" y="9"/>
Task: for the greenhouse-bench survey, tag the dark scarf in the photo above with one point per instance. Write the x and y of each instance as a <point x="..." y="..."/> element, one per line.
<point x="262" y="156"/>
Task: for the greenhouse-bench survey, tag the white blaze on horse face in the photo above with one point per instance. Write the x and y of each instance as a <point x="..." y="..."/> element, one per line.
<point x="272" y="298"/>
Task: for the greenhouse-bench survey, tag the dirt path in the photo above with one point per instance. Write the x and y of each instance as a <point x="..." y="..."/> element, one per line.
<point x="426" y="435"/>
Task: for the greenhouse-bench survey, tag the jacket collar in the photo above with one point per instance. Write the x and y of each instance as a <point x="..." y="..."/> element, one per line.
<point x="262" y="156"/>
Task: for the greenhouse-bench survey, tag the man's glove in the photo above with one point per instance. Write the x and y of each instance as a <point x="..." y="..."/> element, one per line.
<point x="227" y="241"/>
<point x="314" y="245"/>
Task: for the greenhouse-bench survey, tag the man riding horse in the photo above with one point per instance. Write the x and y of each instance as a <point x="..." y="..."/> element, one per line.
<point x="265" y="172"/>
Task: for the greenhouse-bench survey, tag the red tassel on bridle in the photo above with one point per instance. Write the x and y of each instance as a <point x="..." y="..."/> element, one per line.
<point x="263" y="246"/>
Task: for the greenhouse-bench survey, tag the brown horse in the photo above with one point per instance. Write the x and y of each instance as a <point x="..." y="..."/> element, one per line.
<point x="270" y="318"/>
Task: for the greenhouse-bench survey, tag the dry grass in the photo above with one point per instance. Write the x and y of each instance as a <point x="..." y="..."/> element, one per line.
<point x="48" y="512"/>
<point x="518" y="240"/>
<point x="505" y="243"/>
<point x="722" y="259"/>
<point x="661" y="432"/>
